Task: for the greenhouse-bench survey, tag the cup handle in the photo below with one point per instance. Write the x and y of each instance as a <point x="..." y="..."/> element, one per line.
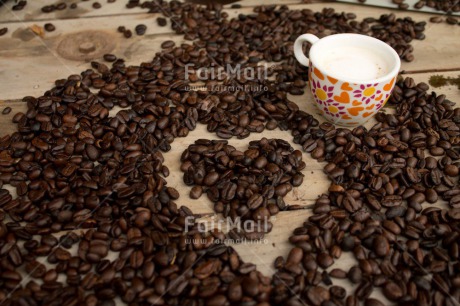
<point x="298" y="52"/>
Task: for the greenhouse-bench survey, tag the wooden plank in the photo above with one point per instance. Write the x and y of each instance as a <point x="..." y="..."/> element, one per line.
<point x="315" y="181"/>
<point x="276" y="243"/>
<point x="17" y="80"/>
<point x="20" y="56"/>
<point x="389" y="4"/>
<point x="32" y="12"/>
<point x="264" y="252"/>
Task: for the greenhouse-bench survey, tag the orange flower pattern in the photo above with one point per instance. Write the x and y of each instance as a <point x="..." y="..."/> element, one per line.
<point x="347" y="103"/>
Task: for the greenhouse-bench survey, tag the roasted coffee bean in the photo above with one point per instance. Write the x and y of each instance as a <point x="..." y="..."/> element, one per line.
<point x="140" y="29"/>
<point x="49" y="27"/>
<point x="168" y="44"/>
<point x="61" y="6"/>
<point x="355" y="275"/>
<point x="451" y="20"/>
<point x="381" y="246"/>
<point x="196" y="192"/>
<point x="48" y="8"/>
<point x="127" y="34"/>
<point x="6" y="110"/>
<point x="451" y="170"/>
<point x="392" y="291"/>
<point x="97" y="5"/>
<point x="19" y="6"/>
<point x="3" y="31"/>
<point x="324" y="260"/>
<point x="318" y="295"/>
<point x="110" y="58"/>
<point x="161" y="21"/>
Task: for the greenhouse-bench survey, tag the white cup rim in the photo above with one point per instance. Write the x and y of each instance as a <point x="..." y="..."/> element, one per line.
<point x="316" y="47"/>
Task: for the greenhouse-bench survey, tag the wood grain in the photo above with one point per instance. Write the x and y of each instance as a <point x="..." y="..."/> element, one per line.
<point x="30" y="67"/>
<point x="32" y="12"/>
<point x="315" y="181"/>
<point x="19" y="56"/>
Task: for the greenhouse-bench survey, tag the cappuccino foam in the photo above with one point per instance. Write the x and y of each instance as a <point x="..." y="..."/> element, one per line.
<point x="355" y="63"/>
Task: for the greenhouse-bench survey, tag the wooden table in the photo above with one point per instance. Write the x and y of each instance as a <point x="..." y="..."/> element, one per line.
<point x="30" y="65"/>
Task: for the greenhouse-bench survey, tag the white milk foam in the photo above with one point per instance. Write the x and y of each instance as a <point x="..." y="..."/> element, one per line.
<point x="349" y="62"/>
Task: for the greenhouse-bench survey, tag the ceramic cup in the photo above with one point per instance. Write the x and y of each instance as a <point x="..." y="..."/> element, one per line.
<point x="351" y="76"/>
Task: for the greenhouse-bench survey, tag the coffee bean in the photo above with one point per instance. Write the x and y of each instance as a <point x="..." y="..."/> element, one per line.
<point x="6" y="110"/>
<point x="97" y="5"/>
<point x="295" y="256"/>
<point x="167" y="44"/>
<point x="451" y="20"/>
<point x="211" y="178"/>
<point x="318" y="295"/>
<point x="324" y="260"/>
<point x="49" y="27"/>
<point x="19" y="6"/>
<point x="235" y="292"/>
<point x="451" y="170"/>
<point x="127" y="34"/>
<point x="419" y="4"/>
<point x="196" y="192"/>
<point x="161" y="21"/>
<point x="392" y="291"/>
<point x="140" y="29"/>
<point x="436" y="19"/>
<point x="61" y="6"/>
<point x="355" y="274"/>
<point x="381" y="246"/>
<point x="48" y="8"/>
<point x="110" y="58"/>
<point x="3" y="31"/>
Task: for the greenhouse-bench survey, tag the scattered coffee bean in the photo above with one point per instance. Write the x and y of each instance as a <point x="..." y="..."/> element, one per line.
<point x="6" y="110"/>
<point x="127" y="34"/>
<point x="110" y="58"/>
<point x="48" y="8"/>
<point x="451" y="20"/>
<point x="168" y="44"/>
<point x="49" y="27"/>
<point x="436" y="19"/>
<point x="140" y="29"/>
<point x="19" y="6"/>
<point x="162" y="21"/>
<point x="61" y="6"/>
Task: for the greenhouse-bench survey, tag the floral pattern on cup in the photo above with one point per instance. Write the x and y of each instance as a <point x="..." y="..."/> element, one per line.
<point x="347" y="103"/>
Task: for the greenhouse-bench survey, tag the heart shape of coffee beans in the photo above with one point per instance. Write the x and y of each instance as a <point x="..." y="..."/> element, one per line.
<point x="249" y="185"/>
